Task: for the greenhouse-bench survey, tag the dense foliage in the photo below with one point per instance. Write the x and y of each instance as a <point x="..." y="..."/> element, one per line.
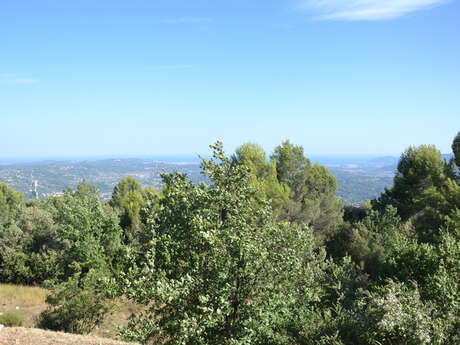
<point x="299" y="191"/>
<point x="264" y="253"/>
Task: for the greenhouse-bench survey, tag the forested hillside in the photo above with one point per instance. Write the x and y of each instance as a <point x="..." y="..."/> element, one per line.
<point x="264" y="252"/>
<point x="53" y="177"/>
<point x="358" y="180"/>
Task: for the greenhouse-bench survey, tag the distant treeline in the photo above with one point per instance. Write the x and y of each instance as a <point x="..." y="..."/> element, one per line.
<point x="264" y="253"/>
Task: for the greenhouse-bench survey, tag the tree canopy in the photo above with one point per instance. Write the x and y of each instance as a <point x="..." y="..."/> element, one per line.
<point x="259" y="254"/>
<point x="220" y="269"/>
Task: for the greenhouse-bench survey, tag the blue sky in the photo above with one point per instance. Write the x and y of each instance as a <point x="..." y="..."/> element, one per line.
<point x="149" y="77"/>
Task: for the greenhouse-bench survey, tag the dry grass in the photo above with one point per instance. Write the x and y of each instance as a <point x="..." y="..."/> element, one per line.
<point x="31" y="336"/>
<point x="26" y="301"/>
<point x="24" y="295"/>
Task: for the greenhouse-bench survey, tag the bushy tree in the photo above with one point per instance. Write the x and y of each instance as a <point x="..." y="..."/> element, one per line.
<point x="263" y="176"/>
<point x="85" y="233"/>
<point x="80" y="304"/>
<point x="395" y="314"/>
<point x="128" y="198"/>
<point x="423" y="193"/>
<point x="25" y="242"/>
<point x="390" y="313"/>
<point x="14" y="266"/>
<point x="89" y="258"/>
<point x="10" y="204"/>
<point x="419" y="169"/>
<point x="372" y="241"/>
<point x="291" y="164"/>
<point x="313" y="199"/>
<point x="299" y="191"/>
<point x="441" y="210"/>
<point x="220" y="270"/>
<point x="42" y="247"/>
<point x="435" y="267"/>
<point x="14" y="260"/>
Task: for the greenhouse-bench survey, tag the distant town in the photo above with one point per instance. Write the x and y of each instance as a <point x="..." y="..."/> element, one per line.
<point x="359" y="179"/>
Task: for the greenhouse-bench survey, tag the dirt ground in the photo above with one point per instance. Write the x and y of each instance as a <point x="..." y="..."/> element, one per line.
<point x="33" y="336"/>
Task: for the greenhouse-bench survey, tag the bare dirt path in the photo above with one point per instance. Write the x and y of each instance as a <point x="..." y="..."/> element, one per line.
<point x="33" y="336"/>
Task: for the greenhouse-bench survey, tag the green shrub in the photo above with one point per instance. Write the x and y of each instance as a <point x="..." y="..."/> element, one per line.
<point x="10" y="319"/>
<point x="78" y="305"/>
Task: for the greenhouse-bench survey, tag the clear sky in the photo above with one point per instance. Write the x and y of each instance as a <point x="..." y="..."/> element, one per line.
<point x="149" y="77"/>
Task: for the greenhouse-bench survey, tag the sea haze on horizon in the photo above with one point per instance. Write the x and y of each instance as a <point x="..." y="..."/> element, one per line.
<point x="328" y="159"/>
<point x="182" y="158"/>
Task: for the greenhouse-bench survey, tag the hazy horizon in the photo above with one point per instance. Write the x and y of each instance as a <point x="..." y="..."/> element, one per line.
<point x="185" y="158"/>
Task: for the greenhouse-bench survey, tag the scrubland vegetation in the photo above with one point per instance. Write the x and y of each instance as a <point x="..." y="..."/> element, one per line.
<point x="265" y="253"/>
